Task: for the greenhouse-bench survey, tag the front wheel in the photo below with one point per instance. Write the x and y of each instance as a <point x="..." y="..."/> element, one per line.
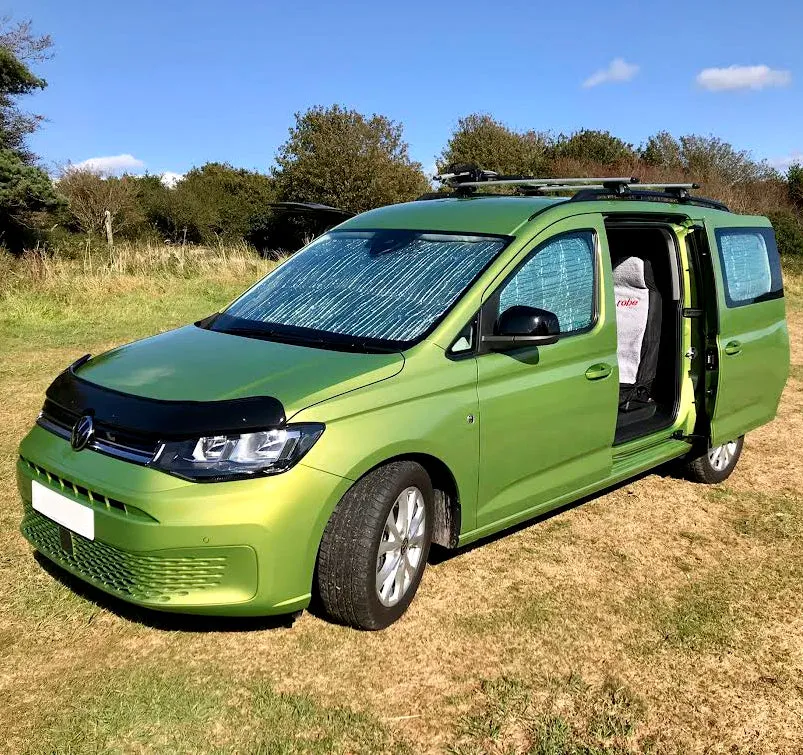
<point x="375" y="546"/>
<point x="717" y="463"/>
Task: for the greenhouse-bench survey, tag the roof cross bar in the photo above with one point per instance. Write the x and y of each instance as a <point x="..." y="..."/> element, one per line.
<point x="668" y="187"/>
<point x="567" y="187"/>
<point x="610" y="184"/>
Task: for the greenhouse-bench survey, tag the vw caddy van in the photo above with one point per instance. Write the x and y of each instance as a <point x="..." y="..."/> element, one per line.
<point x="429" y="372"/>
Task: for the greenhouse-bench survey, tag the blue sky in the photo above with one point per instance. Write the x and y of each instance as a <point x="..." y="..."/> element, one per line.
<point x="177" y="84"/>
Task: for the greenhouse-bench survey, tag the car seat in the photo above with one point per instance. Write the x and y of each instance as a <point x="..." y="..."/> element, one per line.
<point x="638" y="327"/>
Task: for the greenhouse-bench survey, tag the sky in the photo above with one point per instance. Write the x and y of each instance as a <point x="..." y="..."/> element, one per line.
<point x="165" y="86"/>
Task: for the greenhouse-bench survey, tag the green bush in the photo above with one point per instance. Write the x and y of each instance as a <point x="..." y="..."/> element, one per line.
<point x="599" y="147"/>
<point x="664" y="150"/>
<point x="794" y="177"/>
<point x="209" y="205"/>
<point x="26" y="195"/>
<point x="215" y="203"/>
<point x="709" y="157"/>
<point x="789" y="233"/>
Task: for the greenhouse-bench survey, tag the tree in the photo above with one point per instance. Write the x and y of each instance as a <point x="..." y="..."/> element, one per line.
<point x="662" y="149"/>
<point x="709" y="157"/>
<point x="215" y="202"/>
<point x="788" y="233"/>
<point x="489" y="144"/>
<point x="19" y="47"/>
<point x="341" y="158"/>
<point x="25" y="190"/>
<point x="153" y="199"/>
<point x="19" y="39"/>
<point x="211" y="204"/>
<point x="706" y="158"/>
<point x="794" y="178"/>
<point x="90" y="196"/>
<point x="590" y="146"/>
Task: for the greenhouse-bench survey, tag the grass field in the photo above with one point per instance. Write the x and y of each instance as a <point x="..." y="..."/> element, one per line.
<point x="661" y="617"/>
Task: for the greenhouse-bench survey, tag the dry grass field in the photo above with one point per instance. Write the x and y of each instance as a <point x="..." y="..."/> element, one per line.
<point x="660" y="617"/>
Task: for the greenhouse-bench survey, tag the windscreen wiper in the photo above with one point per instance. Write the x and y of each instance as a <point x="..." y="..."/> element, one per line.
<point x="269" y="334"/>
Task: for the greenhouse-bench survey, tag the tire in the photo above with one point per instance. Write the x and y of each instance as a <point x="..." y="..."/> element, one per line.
<point x="715" y="464"/>
<point x="391" y="498"/>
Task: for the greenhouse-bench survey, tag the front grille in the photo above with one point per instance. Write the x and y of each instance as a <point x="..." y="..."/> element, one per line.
<point x="129" y="575"/>
<point x="107" y="439"/>
<point x="85" y="495"/>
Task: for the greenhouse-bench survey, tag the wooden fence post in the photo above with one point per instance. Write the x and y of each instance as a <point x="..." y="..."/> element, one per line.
<point x="107" y="223"/>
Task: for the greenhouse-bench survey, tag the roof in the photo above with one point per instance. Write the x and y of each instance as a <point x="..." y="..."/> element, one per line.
<point x="502" y="215"/>
<point x="507" y="214"/>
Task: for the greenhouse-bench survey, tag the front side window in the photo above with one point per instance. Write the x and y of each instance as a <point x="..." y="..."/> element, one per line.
<point x="558" y="277"/>
<point x="751" y="266"/>
<point x="363" y="286"/>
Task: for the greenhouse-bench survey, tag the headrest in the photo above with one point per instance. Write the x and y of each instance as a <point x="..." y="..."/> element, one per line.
<point x="634" y="272"/>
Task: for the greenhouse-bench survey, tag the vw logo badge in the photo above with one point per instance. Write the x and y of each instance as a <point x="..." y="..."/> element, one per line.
<point x="82" y="432"/>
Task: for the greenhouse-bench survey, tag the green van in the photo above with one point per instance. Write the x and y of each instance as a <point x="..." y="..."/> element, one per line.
<point x="429" y="372"/>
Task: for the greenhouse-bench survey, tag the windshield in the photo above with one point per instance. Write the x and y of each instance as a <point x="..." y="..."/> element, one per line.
<point x="362" y="287"/>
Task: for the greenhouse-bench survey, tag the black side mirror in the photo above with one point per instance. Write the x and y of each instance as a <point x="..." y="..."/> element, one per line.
<point x="523" y="326"/>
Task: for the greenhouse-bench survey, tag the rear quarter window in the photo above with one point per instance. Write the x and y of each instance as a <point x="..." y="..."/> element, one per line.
<point x="751" y="266"/>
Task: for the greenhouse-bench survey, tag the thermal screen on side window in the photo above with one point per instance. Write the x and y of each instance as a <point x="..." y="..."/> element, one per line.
<point x="750" y="264"/>
<point x="559" y="278"/>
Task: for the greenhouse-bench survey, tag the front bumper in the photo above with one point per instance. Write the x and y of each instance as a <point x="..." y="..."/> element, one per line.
<point x="245" y="547"/>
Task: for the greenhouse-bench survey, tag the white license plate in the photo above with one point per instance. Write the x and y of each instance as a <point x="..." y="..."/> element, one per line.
<point x="65" y="511"/>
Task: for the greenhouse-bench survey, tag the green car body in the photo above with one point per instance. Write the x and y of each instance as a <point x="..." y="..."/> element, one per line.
<point x="503" y="435"/>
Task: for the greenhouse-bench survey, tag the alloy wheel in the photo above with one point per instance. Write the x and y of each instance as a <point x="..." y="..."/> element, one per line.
<point x="721" y="456"/>
<point x="401" y="547"/>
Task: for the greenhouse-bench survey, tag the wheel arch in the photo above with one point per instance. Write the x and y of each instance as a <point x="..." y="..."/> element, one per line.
<point x="448" y="510"/>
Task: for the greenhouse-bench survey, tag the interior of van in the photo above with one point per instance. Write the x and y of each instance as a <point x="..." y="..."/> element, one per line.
<point x="647" y="288"/>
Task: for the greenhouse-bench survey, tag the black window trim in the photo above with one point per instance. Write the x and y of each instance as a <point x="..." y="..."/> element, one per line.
<point x="474" y="323"/>
<point x="764" y="231"/>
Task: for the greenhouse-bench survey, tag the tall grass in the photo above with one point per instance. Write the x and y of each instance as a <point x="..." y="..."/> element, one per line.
<point x="72" y="299"/>
<point x="100" y="266"/>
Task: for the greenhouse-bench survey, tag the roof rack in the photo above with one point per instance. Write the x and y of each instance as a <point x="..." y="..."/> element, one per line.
<point x="465" y="179"/>
<point x="468" y="176"/>
<point x="674" y="193"/>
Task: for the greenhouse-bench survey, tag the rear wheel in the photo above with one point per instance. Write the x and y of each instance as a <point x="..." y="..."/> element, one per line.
<point x="716" y="464"/>
<point x="375" y="546"/>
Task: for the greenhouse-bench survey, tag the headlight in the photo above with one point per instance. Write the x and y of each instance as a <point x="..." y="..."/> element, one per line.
<point x="229" y="457"/>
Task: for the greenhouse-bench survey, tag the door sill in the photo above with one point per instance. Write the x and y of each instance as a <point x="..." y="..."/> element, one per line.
<point x="656" y="424"/>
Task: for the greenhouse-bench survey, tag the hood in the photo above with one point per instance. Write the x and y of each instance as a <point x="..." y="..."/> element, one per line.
<point x="193" y="364"/>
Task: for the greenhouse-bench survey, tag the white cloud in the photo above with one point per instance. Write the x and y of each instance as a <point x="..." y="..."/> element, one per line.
<point x="742" y="77"/>
<point x="617" y="70"/>
<point x="114" y="165"/>
<point x="111" y="165"/>
<point x="783" y="163"/>
<point x="170" y="179"/>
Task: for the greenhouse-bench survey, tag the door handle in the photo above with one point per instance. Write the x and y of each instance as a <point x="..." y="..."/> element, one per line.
<point x="732" y="348"/>
<point x="598" y="371"/>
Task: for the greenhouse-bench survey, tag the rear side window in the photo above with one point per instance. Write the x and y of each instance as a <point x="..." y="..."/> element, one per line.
<point x="751" y="266"/>
<point x="558" y="277"/>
